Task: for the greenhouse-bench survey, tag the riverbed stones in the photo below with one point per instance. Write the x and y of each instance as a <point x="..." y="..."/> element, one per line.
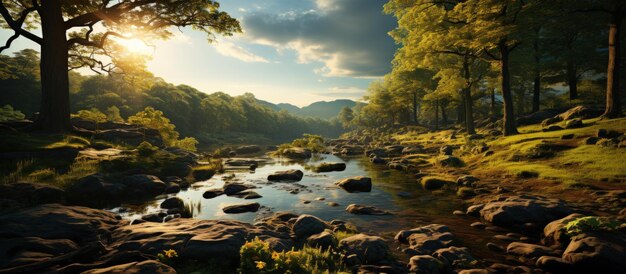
<point x="455" y="256"/>
<point x="403" y="236"/>
<point x="248" y="195"/>
<point x="365" y="210"/>
<point x="307" y="225"/>
<point x="517" y="211"/>
<point x="554" y="233"/>
<point x="293" y="175"/>
<point x="600" y="252"/>
<point x="356" y="184"/>
<point x="212" y="193"/>
<point x="324" y="240"/>
<point x="296" y="153"/>
<point x="241" y="208"/>
<point x="425" y="264"/>
<point x="231" y="188"/>
<point x="329" y="167"/>
<point x="173" y="202"/>
<point x="529" y="250"/>
<point x="368" y="249"/>
<point x="434" y="182"/>
<point x="150" y="266"/>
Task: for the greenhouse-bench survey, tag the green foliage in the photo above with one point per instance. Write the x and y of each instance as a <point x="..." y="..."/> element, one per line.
<point x="187" y="143"/>
<point x="154" y="119"/>
<point x="7" y="113"/>
<point x="146" y="149"/>
<point x="591" y="223"/>
<point x="346" y="116"/>
<point x="313" y="142"/>
<point x="27" y="171"/>
<point x="257" y="257"/>
<point x="113" y="115"/>
<point x="93" y="115"/>
<point x="167" y="256"/>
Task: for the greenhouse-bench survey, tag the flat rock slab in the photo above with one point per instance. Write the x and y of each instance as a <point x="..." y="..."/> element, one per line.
<point x="241" y="208"/>
<point x="287" y="175"/>
<point x="516" y="211"/>
<point x="356" y="184"/>
<point x="366" y="210"/>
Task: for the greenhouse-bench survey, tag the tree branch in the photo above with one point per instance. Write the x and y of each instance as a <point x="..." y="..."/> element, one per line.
<point x="105" y="13"/>
<point x="16" y="25"/>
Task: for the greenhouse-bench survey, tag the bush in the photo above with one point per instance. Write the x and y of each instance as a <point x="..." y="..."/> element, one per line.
<point x="146" y="149"/>
<point x="591" y="223"/>
<point x="7" y="113"/>
<point x="188" y="143"/>
<point x="257" y="257"/>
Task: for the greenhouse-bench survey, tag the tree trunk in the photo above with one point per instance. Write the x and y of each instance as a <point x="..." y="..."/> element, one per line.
<point x="493" y="101"/>
<point x="537" y="80"/>
<point x="436" y="114"/>
<point x="508" y="118"/>
<point x="467" y="98"/>
<point x="460" y="110"/>
<point x="54" y="114"/>
<point x="613" y="104"/>
<point x="572" y="80"/>
<point x="415" y="107"/>
<point x="444" y="115"/>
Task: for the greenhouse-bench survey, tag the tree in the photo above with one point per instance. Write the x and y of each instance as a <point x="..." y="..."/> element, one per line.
<point x="154" y="119"/>
<point x="92" y="115"/>
<point x="113" y="115"/>
<point x="346" y="115"/>
<point x="69" y="38"/>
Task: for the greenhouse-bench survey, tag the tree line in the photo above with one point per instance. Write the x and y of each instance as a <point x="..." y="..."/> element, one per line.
<point x="121" y="95"/>
<point x="476" y="58"/>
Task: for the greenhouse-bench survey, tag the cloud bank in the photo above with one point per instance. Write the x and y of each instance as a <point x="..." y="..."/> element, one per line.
<point x="349" y="37"/>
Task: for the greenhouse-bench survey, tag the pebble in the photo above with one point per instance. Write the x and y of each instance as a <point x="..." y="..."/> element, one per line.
<point x="478" y="225"/>
<point x="458" y="212"/>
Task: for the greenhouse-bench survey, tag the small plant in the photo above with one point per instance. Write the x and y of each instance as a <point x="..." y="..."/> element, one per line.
<point x="188" y="143"/>
<point x="257" y="257"/>
<point x="146" y="149"/>
<point x="167" y="256"/>
<point x="591" y="223"/>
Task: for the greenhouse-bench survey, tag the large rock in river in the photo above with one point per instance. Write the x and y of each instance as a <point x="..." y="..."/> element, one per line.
<point x="328" y="167"/>
<point x="296" y="153"/>
<point x="307" y="225"/>
<point x="288" y="175"/>
<point x="515" y="211"/>
<point x="356" y="184"/>
<point x="369" y="249"/>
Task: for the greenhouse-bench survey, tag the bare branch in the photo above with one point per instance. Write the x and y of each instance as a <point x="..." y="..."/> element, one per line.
<point x="16" y="25"/>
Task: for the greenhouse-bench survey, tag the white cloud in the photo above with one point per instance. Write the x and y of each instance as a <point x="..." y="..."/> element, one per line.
<point x="232" y="50"/>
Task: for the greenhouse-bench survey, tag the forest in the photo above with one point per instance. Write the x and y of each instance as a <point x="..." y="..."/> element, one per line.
<point x="462" y="62"/>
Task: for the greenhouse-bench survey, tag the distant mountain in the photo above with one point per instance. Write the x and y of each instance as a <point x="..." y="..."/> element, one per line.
<point x="323" y="110"/>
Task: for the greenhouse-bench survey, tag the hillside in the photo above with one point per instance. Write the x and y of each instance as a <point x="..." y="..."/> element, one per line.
<point x="322" y="109"/>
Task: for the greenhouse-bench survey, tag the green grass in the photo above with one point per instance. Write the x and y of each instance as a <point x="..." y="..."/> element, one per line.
<point x="33" y="142"/>
<point x="27" y="171"/>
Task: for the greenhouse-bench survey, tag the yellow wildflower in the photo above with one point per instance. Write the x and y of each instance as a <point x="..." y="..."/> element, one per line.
<point x="260" y="264"/>
<point x="275" y="255"/>
<point x="170" y="253"/>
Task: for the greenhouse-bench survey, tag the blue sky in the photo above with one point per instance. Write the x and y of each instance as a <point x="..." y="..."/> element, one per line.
<point x="291" y="51"/>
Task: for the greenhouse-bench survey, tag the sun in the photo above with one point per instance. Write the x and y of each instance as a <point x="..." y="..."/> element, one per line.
<point x="135" y="46"/>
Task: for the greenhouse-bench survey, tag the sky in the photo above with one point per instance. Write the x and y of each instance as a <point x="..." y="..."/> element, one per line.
<point x="296" y="52"/>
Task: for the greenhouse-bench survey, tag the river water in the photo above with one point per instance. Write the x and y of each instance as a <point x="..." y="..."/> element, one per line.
<point x="413" y="208"/>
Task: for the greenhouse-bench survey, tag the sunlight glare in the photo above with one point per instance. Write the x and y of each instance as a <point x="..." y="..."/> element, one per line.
<point x="135" y="46"/>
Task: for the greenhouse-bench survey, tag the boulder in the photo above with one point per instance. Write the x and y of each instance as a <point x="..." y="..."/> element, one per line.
<point x="552" y="128"/>
<point x="241" y="208"/>
<point x="467" y="180"/>
<point x="356" y="184"/>
<point x="607" y="133"/>
<point x="212" y="193"/>
<point x="425" y="264"/>
<point x="429" y="242"/>
<point x="368" y="249"/>
<point x="328" y="167"/>
<point x="307" y="225"/>
<point x="449" y="161"/>
<point x="231" y="188"/>
<point x="554" y="264"/>
<point x="296" y="153"/>
<point x="516" y="211"/>
<point x="32" y="193"/>
<point x="173" y="203"/>
<point x="597" y="252"/>
<point x="403" y="236"/>
<point x="172" y="188"/>
<point x="145" y="267"/>
<point x="554" y="233"/>
<point x="580" y="112"/>
<point x="434" y="183"/>
<point x="574" y="123"/>
<point x="288" y="175"/>
<point x="378" y="161"/>
<point x="529" y="250"/>
<point x="143" y="186"/>
<point x="95" y="188"/>
<point x="365" y="210"/>
<point x="324" y="240"/>
<point x="202" y="174"/>
<point x="248" y="195"/>
<point x="455" y="256"/>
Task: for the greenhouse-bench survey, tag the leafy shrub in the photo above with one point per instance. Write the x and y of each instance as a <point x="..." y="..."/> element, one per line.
<point x="591" y="223"/>
<point x="167" y="256"/>
<point x="257" y="257"/>
<point x="7" y="113"/>
<point x="92" y="115"/>
<point x="188" y="143"/>
<point x="146" y="149"/>
<point x="155" y="119"/>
